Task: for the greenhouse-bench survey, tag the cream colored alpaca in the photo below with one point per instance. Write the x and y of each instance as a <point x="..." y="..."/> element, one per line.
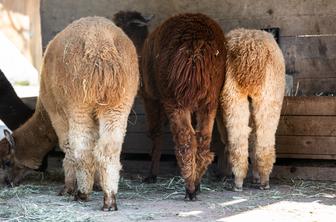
<point x="89" y="80"/>
<point x="255" y="73"/>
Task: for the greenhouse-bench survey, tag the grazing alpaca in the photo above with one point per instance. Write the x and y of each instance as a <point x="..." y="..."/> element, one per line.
<point x="14" y="113"/>
<point x="255" y="73"/>
<point x="24" y="150"/>
<point x="88" y="83"/>
<point x="183" y="66"/>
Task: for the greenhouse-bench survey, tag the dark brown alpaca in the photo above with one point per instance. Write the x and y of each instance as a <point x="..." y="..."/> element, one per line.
<point x="183" y="65"/>
<point x="13" y="112"/>
<point x="134" y="24"/>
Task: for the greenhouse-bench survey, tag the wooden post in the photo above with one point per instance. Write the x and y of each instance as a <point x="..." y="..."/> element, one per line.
<point x="35" y="42"/>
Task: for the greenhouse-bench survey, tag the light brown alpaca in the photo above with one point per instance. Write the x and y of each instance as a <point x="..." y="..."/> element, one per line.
<point x="255" y="72"/>
<point x="89" y="80"/>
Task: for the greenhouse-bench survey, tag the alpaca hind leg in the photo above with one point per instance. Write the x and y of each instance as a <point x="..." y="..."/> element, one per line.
<point x="82" y="139"/>
<point x="205" y="122"/>
<point x="266" y="114"/>
<point x="61" y="127"/>
<point x="236" y="116"/>
<point x="185" y="147"/>
<point x="112" y="128"/>
<point x="155" y="115"/>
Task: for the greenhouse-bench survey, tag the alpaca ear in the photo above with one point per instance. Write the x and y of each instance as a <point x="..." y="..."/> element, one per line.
<point x="138" y="22"/>
<point x="148" y="18"/>
<point x="10" y="140"/>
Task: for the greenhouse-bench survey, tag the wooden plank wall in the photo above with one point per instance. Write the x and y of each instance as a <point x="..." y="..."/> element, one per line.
<point x="307" y="38"/>
<point x="137" y="140"/>
<point x="307" y="30"/>
<point x="307" y="130"/>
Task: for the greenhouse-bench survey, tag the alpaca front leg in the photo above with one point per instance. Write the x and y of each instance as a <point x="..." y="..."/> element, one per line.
<point x="69" y="168"/>
<point x="155" y="116"/>
<point x="224" y="168"/>
<point x="107" y="155"/>
<point x="69" y="176"/>
<point x="61" y="126"/>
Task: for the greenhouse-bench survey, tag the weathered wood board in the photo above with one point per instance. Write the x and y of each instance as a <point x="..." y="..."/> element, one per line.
<point x="307" y="130"/>
<point x="312" y="118"/>
<point x="307" y="126"/>
<point x="304" y="172"/>
<point x="306" y="147"/>
<point x="309" y="106"/>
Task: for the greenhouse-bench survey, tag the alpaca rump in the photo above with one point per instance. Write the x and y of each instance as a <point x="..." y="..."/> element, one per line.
<point x="183" y="65"/>
<point x="187" y="57"/>
<point x="255" y="72"/>
<point x="88" y="83"/>
<point x="187" y="73"/>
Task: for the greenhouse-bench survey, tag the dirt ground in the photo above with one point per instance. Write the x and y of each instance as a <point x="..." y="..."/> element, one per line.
<point x="298" y="200"/>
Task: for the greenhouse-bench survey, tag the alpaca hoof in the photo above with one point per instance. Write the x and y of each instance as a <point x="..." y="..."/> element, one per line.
<point x="264" y="187"/>
<point x="255" y="181"/>
<point x="111" y="208"/>
<point x="190" y="195"/>
<point x="150" y="179"/>
<point x="81" y="197"/>
<point x="65" y="190"/>
<point x="110" y="203"/>
<point x="9" y="183"/>
<point x="237" y="189"/>
<point x="96" y="187"/>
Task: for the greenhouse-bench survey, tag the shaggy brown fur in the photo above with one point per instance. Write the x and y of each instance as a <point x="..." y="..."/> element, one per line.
<point x="88" y="83"/>
<point x="255" y="71"/>
<point x="183" y="63"/>
<point x="33" y="140"/>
